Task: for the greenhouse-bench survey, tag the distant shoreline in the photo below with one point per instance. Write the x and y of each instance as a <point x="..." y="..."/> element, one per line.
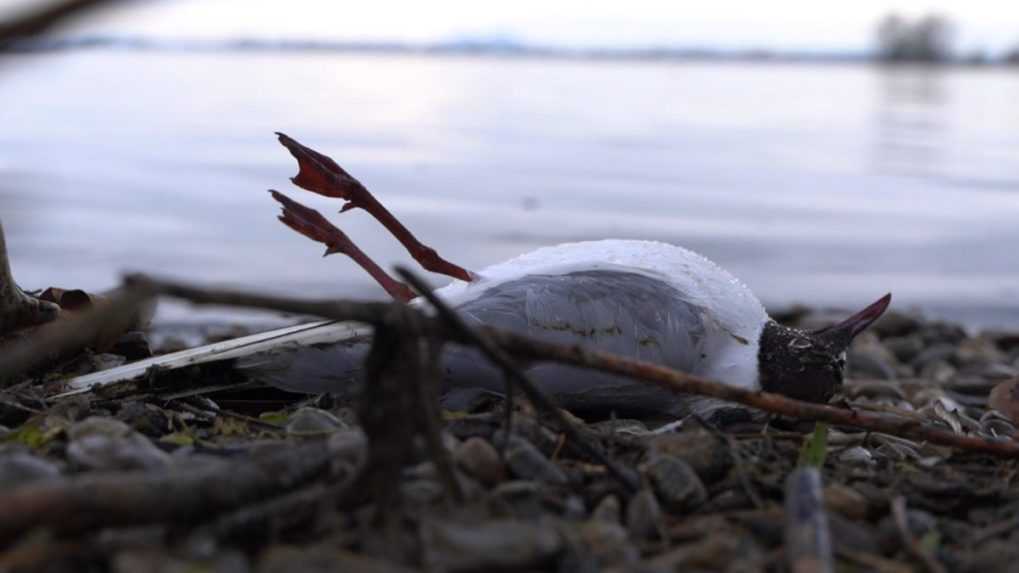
<point x="493" y="49"/>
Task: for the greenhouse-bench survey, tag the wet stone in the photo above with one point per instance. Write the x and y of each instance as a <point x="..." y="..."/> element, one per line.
<point x="313" y="422"/>
<point x="108" y="444"/>
<point x="701" y="450"/>
<point x="868" y="362"/>
<point x="608" y="509"/>
<point x="934" y="354"/>
<point x="517" y="498"/>
<point x="526" y="462"/>
<point x="938" y="372"/>
<point x="496" y="544"/>
<point x="857" y="456"/>
<point x="608" y="543"/>
<point x="904" y="348"/>
<point x="676" y="484"/>
<point x="480" y="459"/>
<point x="643" y="515"/>
<point x="895" y="323"/>
<point x="422" y="492"/>
<point x="19" y="468"/>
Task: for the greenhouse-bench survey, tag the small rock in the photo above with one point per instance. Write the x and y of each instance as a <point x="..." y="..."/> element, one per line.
<point x="871" y="361"/>
<point x="608" y="543"/>
<point x="108" y="444"/>
<point x="904" y="348"/>
<point x="939" y="371"/>
<point x="107" y="361"/>
<point x="526" y="462"/>
<point x="480" y="459"/>
<point x="1005" y="399"/>
<point x="676" y="484"/>
<point x="313" y="422"/>
<point x="517" y="498"/>
<point x="19" y="468"/>
<point x="895" y="323"/>
<point x="857" y="456"/>
<point x="497" y="544"/>
<point x="608" y="509"/>
<point x="643" y="516"/>
<point x="620" y="426"/>
<point x="936" y="353"/>
<point x="422" y="492"/>
<point x="846" y="501"/>
<point x="918" y="522"/>
<point x="133" y="345"/>
<point x="702" y="451"/>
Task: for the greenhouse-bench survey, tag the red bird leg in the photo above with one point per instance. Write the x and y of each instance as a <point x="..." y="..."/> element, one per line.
<point x="320" y="174"/>
<point x="313" y="225"/>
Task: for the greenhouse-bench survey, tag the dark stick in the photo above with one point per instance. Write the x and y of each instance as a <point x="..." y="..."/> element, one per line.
<point x="131" y="498"/>
<point x="514" y="374"/>
<point x="678" y="382"/>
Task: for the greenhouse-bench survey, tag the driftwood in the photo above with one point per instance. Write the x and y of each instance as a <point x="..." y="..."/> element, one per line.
<point x="134" y="498"/>
<point x="532" y="349"/>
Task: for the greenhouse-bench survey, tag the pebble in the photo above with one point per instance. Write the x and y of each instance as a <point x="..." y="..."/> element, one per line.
<point x="17" y="468"/>
<point x="676" y="484"/>
<point x="904" y="348"/>
<point x="526" y="462"/>
<point x="517" y="498"/>
<point x="480" y="459"/>
<point x="643" y="516"/>
<point x="608" y="543"/>
<point x="857" y="456"/>
<point x="1005" y="399"/>
<point x="108" y="444"/>
<point x="307" y="422"/>
<point x="698" y="448"/>
<point x="846" y="501"/>
<point x="490" y="545"/>
<point x="608" y="509"/>
<point x="932" y="354"/>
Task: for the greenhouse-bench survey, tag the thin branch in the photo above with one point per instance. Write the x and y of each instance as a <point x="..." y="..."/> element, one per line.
<point x="131" y="498"/>
<point x="674" y="381"/>
<point x="911" y="544"/>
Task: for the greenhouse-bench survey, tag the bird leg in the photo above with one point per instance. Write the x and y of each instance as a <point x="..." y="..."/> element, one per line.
<point x="313" y="225"/>
<point x="320" y="174"/>
<point x="18" y="309"/>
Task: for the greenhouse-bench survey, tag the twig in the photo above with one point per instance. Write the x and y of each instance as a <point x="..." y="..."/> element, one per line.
<point x="131" y="498"/>
<point x="911" y="544"/>
<point x="807" y="538"/>
<point x="398" y="404"/>
<point x="524" y="382"/>
<point x="228" y="414"/>
<point x="58" y="338"/>
<point x="672" y="380"/>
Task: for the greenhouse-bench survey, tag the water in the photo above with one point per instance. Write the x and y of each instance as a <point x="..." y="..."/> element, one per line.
<point x="821" y="184"/>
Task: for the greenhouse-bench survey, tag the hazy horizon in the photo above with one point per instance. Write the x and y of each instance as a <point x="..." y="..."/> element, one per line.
<point x="781" y="25"/>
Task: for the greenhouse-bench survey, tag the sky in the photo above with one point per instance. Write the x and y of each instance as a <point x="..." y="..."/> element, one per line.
<point x="774" y="24"/>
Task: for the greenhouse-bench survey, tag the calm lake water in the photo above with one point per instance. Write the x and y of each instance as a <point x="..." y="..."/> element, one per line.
<point x="821" y="184"/>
